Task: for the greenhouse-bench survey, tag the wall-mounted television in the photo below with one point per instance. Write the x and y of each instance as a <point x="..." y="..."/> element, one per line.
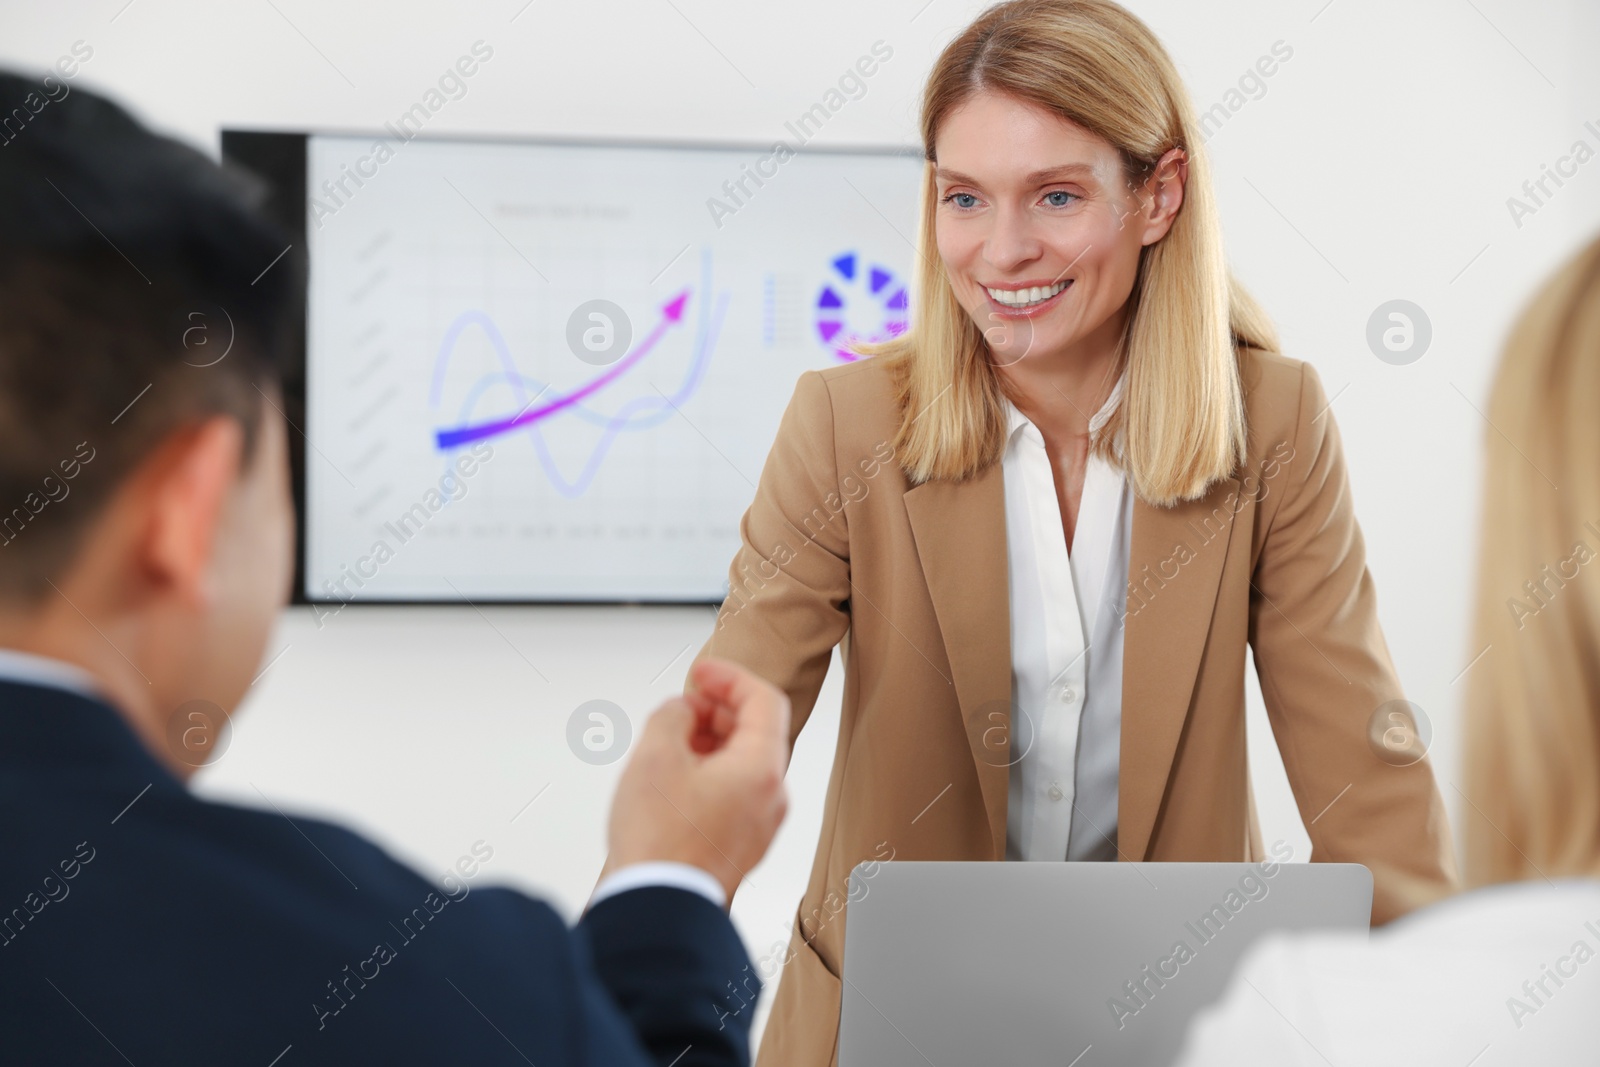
<point x="550" y="371"/>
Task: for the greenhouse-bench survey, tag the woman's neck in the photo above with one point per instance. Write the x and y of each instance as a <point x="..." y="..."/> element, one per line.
<point x="1060" y="394"/>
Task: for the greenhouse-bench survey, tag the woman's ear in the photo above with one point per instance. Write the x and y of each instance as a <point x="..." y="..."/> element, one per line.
<point x="190" y="480"/>
<point x="1163" y="192"/>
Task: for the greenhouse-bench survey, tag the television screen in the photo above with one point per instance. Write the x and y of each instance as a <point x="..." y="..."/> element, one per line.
<point x="551" y="371"/>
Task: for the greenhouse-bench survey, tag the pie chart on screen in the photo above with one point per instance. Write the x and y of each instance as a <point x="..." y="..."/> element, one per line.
<point x="859" y="302"/>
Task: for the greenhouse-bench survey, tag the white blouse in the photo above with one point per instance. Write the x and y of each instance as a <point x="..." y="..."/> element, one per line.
<point x="1066" y="649"/>
<point x="1508" y="975"/>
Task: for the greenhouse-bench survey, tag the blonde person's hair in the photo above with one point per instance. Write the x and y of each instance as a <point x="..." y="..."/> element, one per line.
<point x="1182" y="418"/>
<point x="1533" y="703"/>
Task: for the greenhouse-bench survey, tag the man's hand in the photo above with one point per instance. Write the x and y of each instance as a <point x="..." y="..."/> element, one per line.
<point x="704" y="785"/>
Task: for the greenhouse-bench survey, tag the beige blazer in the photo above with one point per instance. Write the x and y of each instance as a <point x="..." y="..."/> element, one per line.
<point x="911" y="583"/>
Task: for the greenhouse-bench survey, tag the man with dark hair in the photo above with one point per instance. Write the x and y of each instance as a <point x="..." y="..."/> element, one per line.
<point x="146" y="545"/>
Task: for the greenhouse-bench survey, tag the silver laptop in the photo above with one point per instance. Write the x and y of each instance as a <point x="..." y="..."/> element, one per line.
<point x="1072" y="964"/>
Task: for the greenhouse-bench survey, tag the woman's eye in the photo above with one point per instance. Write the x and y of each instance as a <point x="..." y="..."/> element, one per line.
<point x="961" y="197"/>
<point x="1067" y="197"/>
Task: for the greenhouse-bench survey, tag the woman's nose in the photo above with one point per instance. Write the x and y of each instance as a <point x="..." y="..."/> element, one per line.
<point x="1012" y="242"/>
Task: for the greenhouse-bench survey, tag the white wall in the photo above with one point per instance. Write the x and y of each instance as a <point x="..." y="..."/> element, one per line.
<point x="1375" y="166"/>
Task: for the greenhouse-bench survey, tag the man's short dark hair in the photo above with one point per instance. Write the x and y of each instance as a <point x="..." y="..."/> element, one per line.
<point x="129" y="263"/>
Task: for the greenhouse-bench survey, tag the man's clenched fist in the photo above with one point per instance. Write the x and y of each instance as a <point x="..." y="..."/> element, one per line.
<point x="704" y="785"/>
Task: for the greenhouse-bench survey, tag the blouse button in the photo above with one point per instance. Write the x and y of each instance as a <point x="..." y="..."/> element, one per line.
<point x="1068" y="696"/>
<point x="1055" y="792"/>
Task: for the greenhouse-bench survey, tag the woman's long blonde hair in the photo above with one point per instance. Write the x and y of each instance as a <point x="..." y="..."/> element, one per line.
<point x="1182" y="418"/>
<point x="1533" y="705"/>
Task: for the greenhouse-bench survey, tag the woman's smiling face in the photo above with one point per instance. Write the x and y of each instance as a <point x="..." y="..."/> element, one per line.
<point x="1038" y="229"/>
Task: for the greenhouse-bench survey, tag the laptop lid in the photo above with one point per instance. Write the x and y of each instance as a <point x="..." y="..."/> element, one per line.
<point x="949" y="964"/>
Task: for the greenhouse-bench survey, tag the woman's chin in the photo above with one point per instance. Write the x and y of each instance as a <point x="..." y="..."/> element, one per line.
<point x="1018" y="340"/>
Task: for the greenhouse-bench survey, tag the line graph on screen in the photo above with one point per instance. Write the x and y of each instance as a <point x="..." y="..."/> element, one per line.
<point x="537" y="413"/>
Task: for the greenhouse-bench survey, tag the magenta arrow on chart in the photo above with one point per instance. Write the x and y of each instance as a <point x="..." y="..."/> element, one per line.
<point x="670" y="313"/>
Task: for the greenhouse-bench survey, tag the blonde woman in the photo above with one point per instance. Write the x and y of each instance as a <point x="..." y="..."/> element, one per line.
<point x="1510" y="972"/>
<point x="1045" y="525"/>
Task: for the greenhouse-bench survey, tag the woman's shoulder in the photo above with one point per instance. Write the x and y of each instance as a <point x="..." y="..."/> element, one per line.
<point x="1494" y="926"/>
<point x="1509" y="914"/>
<point x="858" y="398"/>
<point x="1444" y="980"/>
<point x="840" y="418"/>
<point x="1279" y="394"/>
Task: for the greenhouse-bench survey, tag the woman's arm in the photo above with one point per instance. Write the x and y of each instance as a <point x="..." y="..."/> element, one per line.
<point x="789" y="583"/>
<point x="1325" y="671"/>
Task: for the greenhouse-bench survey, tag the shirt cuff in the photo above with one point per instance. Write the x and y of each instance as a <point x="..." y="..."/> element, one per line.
<point x="661" y="873"/>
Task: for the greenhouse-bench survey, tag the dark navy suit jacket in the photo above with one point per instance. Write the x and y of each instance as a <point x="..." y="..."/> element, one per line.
<point x="140" y="924"/>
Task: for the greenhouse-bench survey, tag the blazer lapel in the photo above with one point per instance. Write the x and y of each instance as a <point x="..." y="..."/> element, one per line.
<point x="1174" y="570"/>
<point x="960" y="534"/>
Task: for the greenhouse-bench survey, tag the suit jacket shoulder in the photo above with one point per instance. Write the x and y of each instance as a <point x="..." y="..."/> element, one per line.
<point x="1293" y="439"/>
<point x="833" y="455"/>
<point x="1276" y="390"/>
<point x="861" y="407"/>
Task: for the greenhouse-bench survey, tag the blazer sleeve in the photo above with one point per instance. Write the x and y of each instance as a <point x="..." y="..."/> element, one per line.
<point x="789" y="583"/>
<point x="673" y="963"/>
<point x="1325" y="672"/>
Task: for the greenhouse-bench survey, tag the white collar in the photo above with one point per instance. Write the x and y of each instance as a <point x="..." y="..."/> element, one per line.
<point x="33" y="669"/>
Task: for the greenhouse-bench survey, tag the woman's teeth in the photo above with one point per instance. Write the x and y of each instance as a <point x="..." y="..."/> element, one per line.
<point x="1019" y="298"/>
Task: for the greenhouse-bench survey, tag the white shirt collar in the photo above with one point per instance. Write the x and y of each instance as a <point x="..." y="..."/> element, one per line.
<point x="33" y="669"/>
<point x="1015" y="419"/>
